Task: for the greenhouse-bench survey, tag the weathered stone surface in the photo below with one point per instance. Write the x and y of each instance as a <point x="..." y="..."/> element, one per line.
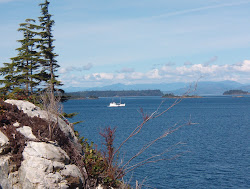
<point x="28" y="108"/>
<point x="32" y="111"/>
<point x="45" y="150"/>
<point x="71" y="170"/>
<point x="45" y="166"/>
<point x="4" y="143"/>
<point x="36" y="172"/>
<point x="27" y="132"/>
<point x="4" y="172"/>
<point x="14" y="180"/>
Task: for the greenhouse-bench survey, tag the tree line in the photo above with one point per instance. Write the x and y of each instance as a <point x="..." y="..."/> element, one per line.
<point x="84" y="94"/>
<point x="236" y="92"/>
<point x="34" y="67"/>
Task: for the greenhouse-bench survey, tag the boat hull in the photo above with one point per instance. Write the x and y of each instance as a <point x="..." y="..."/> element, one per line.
<point x="113" y="104"/>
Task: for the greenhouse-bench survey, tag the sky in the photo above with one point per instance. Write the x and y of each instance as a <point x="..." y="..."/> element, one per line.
<point x="133" y="41"/>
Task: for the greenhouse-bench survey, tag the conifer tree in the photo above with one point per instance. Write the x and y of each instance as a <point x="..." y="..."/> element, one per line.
<point x="10" y="79"/>
<point x="29" y="57"/>
<point x="22" y="75"/>
<point x="35" y="63"/>
<point x="47" y="49"/>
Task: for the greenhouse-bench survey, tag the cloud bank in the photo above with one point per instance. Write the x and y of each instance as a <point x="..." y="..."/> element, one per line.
<point x="188" y="72"/>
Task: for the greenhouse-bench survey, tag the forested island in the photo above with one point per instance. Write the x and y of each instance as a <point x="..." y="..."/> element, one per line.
<point x="86" y="94"/>
<point x="171" y="95"/>
<point x="236" y="92"/>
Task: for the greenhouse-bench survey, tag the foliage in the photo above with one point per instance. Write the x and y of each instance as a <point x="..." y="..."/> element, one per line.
<point x="34" y="67"/>
<point x="99" y="164"/>
<point x="93" y="97"/>
<point x="168" y="95"/>
<point x="171" y="95"/>
<point x="22" y="74"/>
<point x="70" y="115"/>
<point x="34" y="98"/>
<point x="235" y="92"/>
<point x="113" y="171"/>
<point x="50" y="65"/>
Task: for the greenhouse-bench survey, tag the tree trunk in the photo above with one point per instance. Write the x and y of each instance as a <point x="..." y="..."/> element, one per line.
<point x="27" y="79"/>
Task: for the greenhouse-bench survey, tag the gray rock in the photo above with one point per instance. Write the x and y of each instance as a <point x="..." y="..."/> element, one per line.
<point x="45" y="166"/>
<point x="46" y="151"/>
<point x="14" y="180"/>
<point x="27" y="132"/>
<point x="4" y="171"/>
<point x="71" y="170"/>
<point x="32" y="111"/>
<point x="4" y="144"/>
<point x="28" y="108"/>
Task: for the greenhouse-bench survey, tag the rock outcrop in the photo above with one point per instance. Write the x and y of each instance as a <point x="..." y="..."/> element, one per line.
<point x="45" y="165"/>
<point x="4" y="143"/>
<point x="28" y="159"/>
<point x="33" y="111"/>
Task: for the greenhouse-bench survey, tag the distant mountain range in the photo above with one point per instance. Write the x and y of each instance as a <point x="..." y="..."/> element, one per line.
<point x="178" y="88"/>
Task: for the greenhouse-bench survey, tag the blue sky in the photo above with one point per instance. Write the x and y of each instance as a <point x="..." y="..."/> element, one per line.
<point x="134" y="41"/>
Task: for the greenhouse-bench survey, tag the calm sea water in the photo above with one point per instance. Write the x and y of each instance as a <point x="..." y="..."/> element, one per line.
<point x="216" y="153"/>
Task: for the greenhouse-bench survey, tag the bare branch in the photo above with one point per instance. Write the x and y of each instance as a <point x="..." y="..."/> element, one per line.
<point x="154" y="156"/>
<point x="145" y="147"/>
<point x="53" y="108"/>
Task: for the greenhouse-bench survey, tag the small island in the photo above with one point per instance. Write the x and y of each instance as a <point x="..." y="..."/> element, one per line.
<point x="93" y="97"/>
<point x="236" y="92"/>
<point x="171" y="95"/>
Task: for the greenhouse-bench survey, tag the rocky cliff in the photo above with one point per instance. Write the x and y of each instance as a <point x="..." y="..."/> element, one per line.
<point x="30" y="157"/>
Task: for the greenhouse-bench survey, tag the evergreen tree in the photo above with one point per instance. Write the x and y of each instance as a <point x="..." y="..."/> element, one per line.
<point x="35" y="63"/>
<point x="29" y="58"/>
<point x="50" y="64"/>
<point x="10" y="80"/>
<point x="22" y="75"/>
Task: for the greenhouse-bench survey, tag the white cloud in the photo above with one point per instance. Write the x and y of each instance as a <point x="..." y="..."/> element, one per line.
<point x="237" y="72"/>
<point x="243" y="67"/>
<point x="120" y="76"/>
<point x="153" y="74"/>
<point x="99" y="76"/>
<point x="197" y="68"/>
<point x="136" y="75"/>
<point x="107" y="76"/>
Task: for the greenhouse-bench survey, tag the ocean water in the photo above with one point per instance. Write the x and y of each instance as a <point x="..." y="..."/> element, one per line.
<point x="215" y="152"/>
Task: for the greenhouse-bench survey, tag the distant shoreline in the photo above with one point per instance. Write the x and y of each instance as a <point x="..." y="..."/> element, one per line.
<point x="171" y="95"/>
<point x="184" y="97"/>
<point x="97" y="94"/>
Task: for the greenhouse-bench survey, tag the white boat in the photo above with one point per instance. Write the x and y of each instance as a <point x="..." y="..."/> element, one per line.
<point x="114" y="104"/>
